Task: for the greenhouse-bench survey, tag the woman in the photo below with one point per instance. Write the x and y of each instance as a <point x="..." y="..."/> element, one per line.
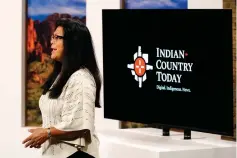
<point x="70" y="95"/>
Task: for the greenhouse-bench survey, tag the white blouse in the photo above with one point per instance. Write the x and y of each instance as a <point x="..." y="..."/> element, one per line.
<point x="73" y="110"/>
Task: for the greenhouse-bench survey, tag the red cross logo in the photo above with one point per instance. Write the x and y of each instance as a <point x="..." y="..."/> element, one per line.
<point x="140" y="66"/>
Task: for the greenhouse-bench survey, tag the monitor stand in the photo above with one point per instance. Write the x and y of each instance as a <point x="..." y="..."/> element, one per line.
<point x="166" y="132"/>
<point x="187" y="134"/>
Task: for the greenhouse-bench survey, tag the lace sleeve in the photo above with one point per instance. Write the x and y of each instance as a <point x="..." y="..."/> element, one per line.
<point x="79" y="104"/>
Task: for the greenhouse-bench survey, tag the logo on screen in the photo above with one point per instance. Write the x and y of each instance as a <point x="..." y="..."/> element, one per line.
<point x="140" y="66"/>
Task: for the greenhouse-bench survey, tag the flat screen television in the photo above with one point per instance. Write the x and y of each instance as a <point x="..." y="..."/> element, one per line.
<point x="170" y="67"/>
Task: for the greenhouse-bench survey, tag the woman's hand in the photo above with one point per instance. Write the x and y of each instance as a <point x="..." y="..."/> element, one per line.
<point x="38" y="137"/>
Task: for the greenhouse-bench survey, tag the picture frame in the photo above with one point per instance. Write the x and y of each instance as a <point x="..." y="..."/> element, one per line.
<point x="151" y="4"/>
<point x="39" y="24"/>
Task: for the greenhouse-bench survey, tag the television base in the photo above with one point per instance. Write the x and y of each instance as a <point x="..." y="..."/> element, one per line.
<point x="187" y="134"/>
<point x="166" y="132"/>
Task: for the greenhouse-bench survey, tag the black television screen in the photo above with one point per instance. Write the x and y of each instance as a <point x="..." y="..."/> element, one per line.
<point x="170" y="67"/>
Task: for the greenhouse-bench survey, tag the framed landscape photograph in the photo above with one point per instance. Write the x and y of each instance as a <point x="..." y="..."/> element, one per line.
<point x="154" y="4"/>
<point x="40" y="20"/>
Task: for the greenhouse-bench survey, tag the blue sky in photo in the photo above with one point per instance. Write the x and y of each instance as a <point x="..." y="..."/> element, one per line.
<point x="40" y="9"/>
<point x="156" y="4"/>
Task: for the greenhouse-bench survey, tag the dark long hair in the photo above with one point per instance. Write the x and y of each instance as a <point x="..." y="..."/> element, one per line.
<point x="79" y="53"/>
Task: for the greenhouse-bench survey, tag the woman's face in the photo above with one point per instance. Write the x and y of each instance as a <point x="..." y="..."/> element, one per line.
<point x="57" y="45"/>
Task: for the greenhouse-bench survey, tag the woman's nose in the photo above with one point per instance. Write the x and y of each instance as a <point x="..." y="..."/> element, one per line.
<point x="51" y="41"/>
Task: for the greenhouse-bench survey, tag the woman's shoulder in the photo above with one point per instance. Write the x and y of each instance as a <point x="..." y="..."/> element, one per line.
<point x="82" y="75"/>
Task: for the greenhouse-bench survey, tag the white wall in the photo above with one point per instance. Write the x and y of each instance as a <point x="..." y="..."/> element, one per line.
<point x="205" y="4"/>
<point x="11" y="132"/>
<point x="94" y="23"/>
